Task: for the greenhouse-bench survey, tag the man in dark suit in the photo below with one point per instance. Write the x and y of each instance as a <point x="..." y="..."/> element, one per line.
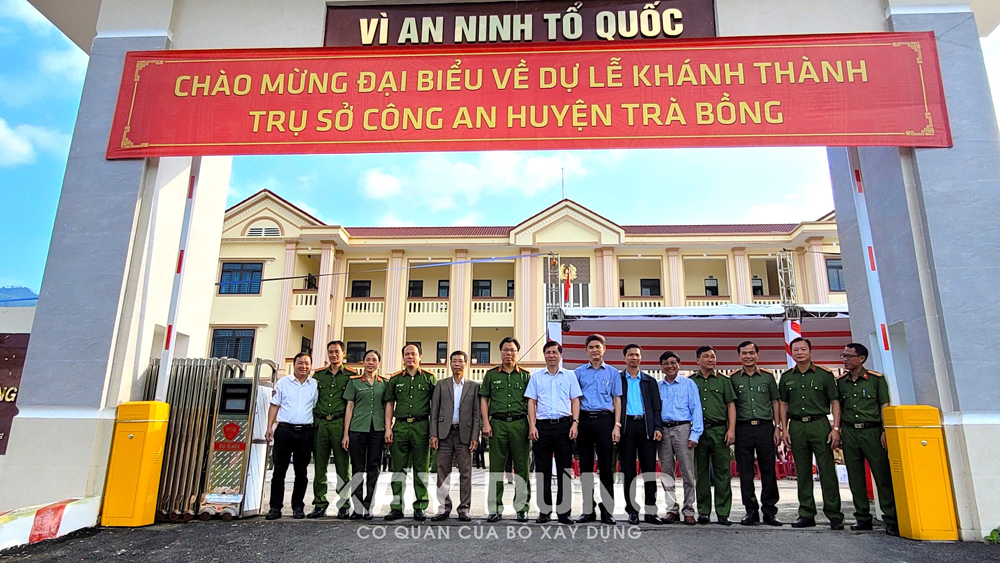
<point x="641" y="430"/>
<point x="454" y="433"/>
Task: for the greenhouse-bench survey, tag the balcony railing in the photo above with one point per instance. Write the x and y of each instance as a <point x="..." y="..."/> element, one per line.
<point x="303" y="305"/>
<point x="579" y="294"/>
<point x="708" y="300"/>
<point x="427" y="312"/>
<point x="364" y="311"/>
<point x="643" y="301"/>
<point x="767" y="300"/>
<point x="491" y="312"/>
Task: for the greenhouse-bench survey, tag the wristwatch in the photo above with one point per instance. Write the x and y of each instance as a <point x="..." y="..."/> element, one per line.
<point x="576" y="420"/>
<point x="837" y="428"/>
<point x="618" y="424"/>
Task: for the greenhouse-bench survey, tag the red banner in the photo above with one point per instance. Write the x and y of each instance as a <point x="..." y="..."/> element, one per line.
<point x="880" y="89"/>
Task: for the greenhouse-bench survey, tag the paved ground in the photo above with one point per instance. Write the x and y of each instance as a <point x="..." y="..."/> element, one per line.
<point x="303" y="541"/>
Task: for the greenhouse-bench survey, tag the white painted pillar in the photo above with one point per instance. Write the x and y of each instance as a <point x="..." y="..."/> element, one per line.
<point x="325" y="282"/>
<point x="817" y="263"/>
<point x="460" y="303"/>
<point x="675" y="267"/>
<point x="394" y="319"/>
<point x="281" y="346"/>
<point x="338" y="289"/>
<point x="742" y="292"/>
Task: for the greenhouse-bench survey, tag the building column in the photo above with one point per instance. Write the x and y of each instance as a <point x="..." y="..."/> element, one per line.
<point x="529" y="304"/>
<point x="284" y="312"/>
<point x="675" y="268"/>
<point x="394" y="319"/>
<point x="325" y="284"/>
<point x="817" y="263"/>
<point x="742" y="293"/>
<point x="338" y="288"/>
<point x="460" y="303"/>
<point x="607" y="277"/>
<point x="803" y="289"/>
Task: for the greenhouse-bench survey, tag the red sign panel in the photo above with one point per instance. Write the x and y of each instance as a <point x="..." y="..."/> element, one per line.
<point x="230" y="446"/>
<point x="880" y="89"/>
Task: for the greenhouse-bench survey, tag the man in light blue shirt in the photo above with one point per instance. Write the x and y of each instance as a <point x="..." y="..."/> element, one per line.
<point x="553" y="397"/>
<point x="682" y="427"/>
<point x="600" y="429"/>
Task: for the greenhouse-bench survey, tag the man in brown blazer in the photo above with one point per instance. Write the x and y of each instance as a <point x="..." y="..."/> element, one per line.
<point x="454" y="433"/>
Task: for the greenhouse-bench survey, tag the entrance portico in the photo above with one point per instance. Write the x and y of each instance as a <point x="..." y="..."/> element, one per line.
<point x="99" y="310"/>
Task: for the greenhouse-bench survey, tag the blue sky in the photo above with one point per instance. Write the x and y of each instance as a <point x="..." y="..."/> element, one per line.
<point x="41" y="77"/>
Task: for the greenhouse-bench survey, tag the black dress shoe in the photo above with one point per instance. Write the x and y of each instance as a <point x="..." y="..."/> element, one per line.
<point x="653" y="519"/>
<point x="464" y="518"/>
<point x="892" y="530"/>
<point x="836" y="524"/>
<point x="543" y="518"/>
<point x="804" y="522"/>
<point x="273" y="514"/>
<point x="298" y="514"/>
<point x="704" y="519"/>
<point x="343" y="513"/>
<point x="317" y="513"/>
<point x="356" y="516"/>
<point x="861" y="527"/>
<point x="584" y="518"/>
<point x="608" y="519"/>
<point x="493" y="517"/>
<point x="369" y="515"/>
<point x="565" y="519"/>
<point x="724" y="521"/>
<point x="440" y="517"/>
<point x="394" y="514"/>
<point x="418" y="515"/>
<point x="750" y="519"/>
<point x="522" y="516"/>
<point x="633" y="519"/>
<point x="772" y="521"/>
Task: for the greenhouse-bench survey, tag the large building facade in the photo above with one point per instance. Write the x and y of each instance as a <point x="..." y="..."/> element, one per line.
<point x="288" y="283"/>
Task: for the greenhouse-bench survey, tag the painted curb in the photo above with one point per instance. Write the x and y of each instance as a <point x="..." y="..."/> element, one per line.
<point x="45" y="522"/>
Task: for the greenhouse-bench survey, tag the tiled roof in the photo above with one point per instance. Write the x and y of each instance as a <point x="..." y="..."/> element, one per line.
<point x="428" y="231"/>
<point x="750" y="229"/>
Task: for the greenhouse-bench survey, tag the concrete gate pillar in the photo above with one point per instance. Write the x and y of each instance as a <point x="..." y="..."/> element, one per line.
<point x="932" y="214"/>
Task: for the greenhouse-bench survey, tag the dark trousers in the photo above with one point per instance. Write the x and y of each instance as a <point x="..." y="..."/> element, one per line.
<point x="553" y="439"/>
<point x="634" y="443"/>
<point x="366" y="455"/>
<point x="757" y="440"/>
<point x="595" y="437"/>
<point x="295" y="447"/>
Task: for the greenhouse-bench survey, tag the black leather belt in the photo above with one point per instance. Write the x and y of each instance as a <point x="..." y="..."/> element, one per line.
<point x="810" y="418"/>
<point x="295" y="426"/>
<point x="715" y="423"/>
<point x="755" y="422"/>
<point x="413" y="418"/>
<point x="333" y="416"/>
<point x="863" y="425"/>
<point x="673" y="423"/>
<point x="508" y="417"/>
<point x="555" y="420"/>
<point x="455" y="426"/>
<point x="595" y="414"/>
<point x="636" y="416"/>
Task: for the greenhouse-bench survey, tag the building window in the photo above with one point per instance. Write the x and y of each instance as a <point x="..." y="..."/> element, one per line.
<point x="757" y="285"/>
<point x="835" y="274"/>
<point x="312" y="282"/>
<point x="480" y="353"/>
<point x="241" y="278"/>
<point x="442" y="353"/>
<point x="482" y="288"/>
<point x="649" y="287"/>
<point x="361" y="288"/>
<point x="233" y="343"/>
<point x="416" y="288"/>
<point x="711" y="287"/>
<point x="356" y="352"/>
<point x="510" y="289"/>
<point x="307" y="346"/>
<point x="443" y="288"/>
<point x="621" y="288"/>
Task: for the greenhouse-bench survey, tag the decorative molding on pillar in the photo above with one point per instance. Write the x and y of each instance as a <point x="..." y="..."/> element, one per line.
<point x="285" y="308"/>
<point x="741" y="267"/>
<point x="675" y="268"/>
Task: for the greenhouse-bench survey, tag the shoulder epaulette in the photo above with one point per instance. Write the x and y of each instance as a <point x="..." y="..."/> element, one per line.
<point x="356" y="376"/>
<point x="350" y="370"/>
<point x="875" y="373"/>
<point x="397" y="373"/>
<point x="767" y="371"/>
<point x="821" y="368"/>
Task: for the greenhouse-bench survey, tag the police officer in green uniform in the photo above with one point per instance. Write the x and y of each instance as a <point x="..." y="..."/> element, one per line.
<point x="408" y="398"/>
<point x="719" y="413"/>
<point x="328" y="419"/>
<point x="863" y="395"/>
<point x="808" y="392"/>
<point x="505" y="422"/>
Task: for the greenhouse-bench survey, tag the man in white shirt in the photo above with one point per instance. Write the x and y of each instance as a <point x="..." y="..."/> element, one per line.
<point x="292" y="405"/>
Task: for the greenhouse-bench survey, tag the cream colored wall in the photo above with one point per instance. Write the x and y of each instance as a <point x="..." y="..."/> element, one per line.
<point x="567" y="231"/>
<point x="372" y="336"/>
<point x="428" y="339"/>
<point x="494" y="336"/>
<point x="296" y="331"/>
<point x="697" y="269"/>
<point x="305" y="264"/>
<point x="498" y="272"/>
<point x="365" y="270"/>
<point x="430" y="276"/>
<point x="632" y="271"/>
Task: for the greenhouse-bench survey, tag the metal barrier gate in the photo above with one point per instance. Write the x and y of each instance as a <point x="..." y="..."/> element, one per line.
<point x="191" y="394"/>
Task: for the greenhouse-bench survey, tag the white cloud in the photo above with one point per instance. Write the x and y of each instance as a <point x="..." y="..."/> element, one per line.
<point x="22" y="11"/>
<point x="21" y="144"/>
<point x="379" y="185"/>
<point x="391" y="220"/>
<point x="470" y="220"/>
<point x="814" y="200"/>
<point x="69" y="64"/>
<point x="310" y="210"/>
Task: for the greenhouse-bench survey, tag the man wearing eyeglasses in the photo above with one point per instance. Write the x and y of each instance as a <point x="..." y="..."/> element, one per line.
<point x="864" y="394"/>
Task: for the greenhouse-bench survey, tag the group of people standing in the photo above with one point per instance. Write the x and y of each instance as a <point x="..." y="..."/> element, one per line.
<point x="685" y="422"/>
